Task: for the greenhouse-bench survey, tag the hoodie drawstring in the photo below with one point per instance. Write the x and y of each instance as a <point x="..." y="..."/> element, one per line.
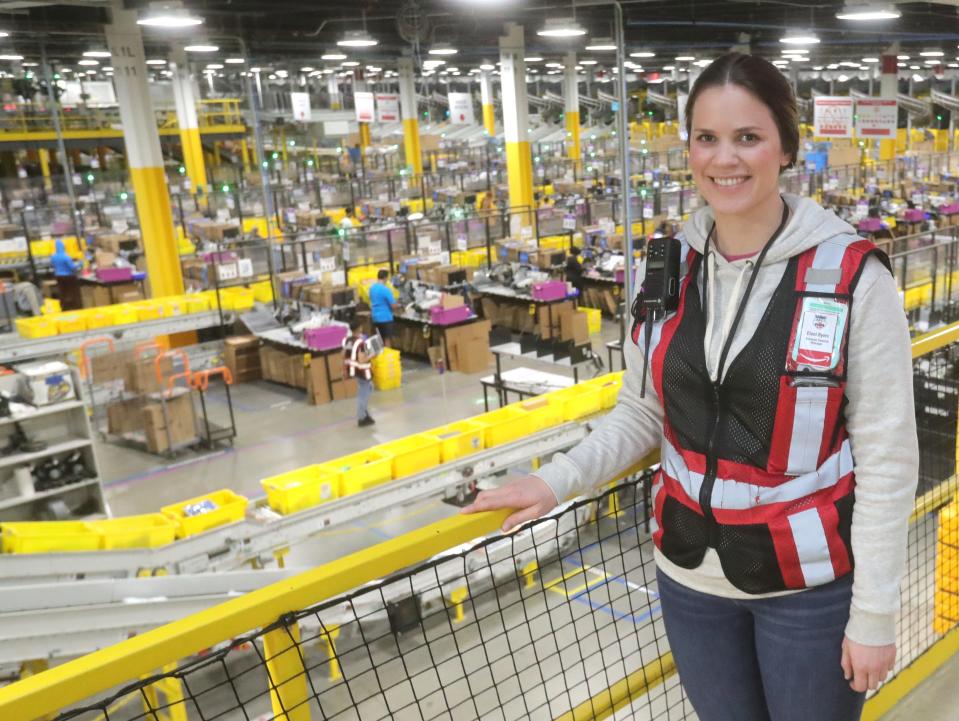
<point x="731" y="305"/>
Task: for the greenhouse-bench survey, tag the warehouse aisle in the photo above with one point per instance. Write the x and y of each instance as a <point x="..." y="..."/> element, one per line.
<point x="933" y="700"/>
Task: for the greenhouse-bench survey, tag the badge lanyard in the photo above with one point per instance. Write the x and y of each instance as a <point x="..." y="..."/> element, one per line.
<point x="749" y="287"/>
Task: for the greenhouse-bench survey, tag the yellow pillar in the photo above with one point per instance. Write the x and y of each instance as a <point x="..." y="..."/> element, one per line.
<point x="245" y="152"/>
<point x="411" y="124"/>
<point x="216" y="154"/>
<point x="185" y="97"/>
<point x="328" y="637"/>
<point x="364" y="136"/>
<point x="142" y="141"/>
<point x="289" y="692"/>
<point x="45" y="168"/>
<point x="333" y="88"/>
<point x="571" y="108"/>
<point x="164" y="700"/>
<point x="519" y="162"/>
<point x="486" y="101"/>
<point x="458" y="598"/>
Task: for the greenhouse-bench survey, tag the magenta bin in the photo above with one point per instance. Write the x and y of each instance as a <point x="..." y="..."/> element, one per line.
<point x="449" y="316"/>
<point x="914" y="215"/>
<point x="326" y="338"/>
<point x="549" y="290"/>
<point x="869" y="225"/>
<point x="114" y="275"/>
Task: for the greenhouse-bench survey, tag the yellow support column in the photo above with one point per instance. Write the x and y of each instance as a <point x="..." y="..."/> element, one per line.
<point x="283" y="153"/>
<point x="142" y="141"/>
<point x="185" y="97"/>
<point x="571" y="103"/>
<point x="328" y="637"/>
<point x="486" y="100"/>
<point x="333" y="88"/>
<point x="245" y="152"/>
<point x="411" y="123"/>
<point x="519" y="162"/>
<point x="45" y="168"/>
<point x="458" y="597"/>
<point x="164" y="700"/>
<point x="289" y="692"/>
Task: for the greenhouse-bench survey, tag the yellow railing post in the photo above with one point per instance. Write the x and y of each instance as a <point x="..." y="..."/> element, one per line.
<point x="457" y="597"/>
<point x="328" y="637"/>
<point x="529" y="572"/>
<point x="164" y="700"/>
<point x="287" y="675"/>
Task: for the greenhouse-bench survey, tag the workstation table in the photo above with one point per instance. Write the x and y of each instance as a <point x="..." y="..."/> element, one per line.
<point x="522" y="306"/>
<point x="524" y="382"/>
<point x="95" y="292"/>
<point x="431" y="333"/>
<point x="514" y="350"/>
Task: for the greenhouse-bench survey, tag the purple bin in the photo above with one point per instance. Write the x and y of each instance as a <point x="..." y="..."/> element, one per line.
<point x="870" y="225"/>
<point x="114" y="275"/>
<point x="914" y="215"/>
<point x="549" y="290"/>
<point x="949" y="209"/>
<point x="449" y="316"/>
<point x="620" y="275"/>
<point x="326" y="338"/>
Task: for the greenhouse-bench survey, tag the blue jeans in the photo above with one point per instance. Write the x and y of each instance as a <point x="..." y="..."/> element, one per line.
<point x="364" y="388"/>
<point x="772" y="659"/>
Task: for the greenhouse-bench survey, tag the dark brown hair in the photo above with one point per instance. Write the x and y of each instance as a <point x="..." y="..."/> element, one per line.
<point x="765" y="82"/>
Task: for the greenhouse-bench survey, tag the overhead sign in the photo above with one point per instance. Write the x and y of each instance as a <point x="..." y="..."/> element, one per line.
<point x="461" y="109"/>
<point x="833" y="117"/>
<point x="877" y="117"/>
<point x="364" y="104"/>
<point x="301" y="106"/>
<point x="387" y="107"/>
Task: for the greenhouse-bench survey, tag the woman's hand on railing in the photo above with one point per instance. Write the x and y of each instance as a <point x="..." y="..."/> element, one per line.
<point x="529" y="496"/>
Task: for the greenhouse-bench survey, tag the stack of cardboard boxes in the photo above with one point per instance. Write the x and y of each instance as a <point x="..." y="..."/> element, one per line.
<point x="325" y="381"/>
<point x="241" y="355"/>
<point x="466" y="346"/>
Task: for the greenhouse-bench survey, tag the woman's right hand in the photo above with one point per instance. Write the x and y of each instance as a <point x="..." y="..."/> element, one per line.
<point x="529" y="496"/>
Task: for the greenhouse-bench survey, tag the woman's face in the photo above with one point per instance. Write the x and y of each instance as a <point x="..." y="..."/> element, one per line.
<point x="734" y="150"/>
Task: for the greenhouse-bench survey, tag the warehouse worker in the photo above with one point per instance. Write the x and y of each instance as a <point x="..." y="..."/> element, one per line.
<point x="785" y="423"/>
<point x="65" y="270"/>
<point x="574" y="271"/>
<point x="382" y="303"/>
<point x="356" y="364"/>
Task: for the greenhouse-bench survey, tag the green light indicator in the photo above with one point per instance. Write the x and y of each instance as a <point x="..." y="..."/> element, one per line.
<point x="292" y="143"/>
<point x="182" y="170"/>
<point x="266" y="164"/>
<point x="89" y="177"/>
<point x="124" y="195"/>
<point x="275" y="156"/>
<point x="309" y="163"/>
<point x="226" y="187"/>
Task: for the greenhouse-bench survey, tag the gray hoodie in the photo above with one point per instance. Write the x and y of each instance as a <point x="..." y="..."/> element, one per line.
<point x="880" y="414"/>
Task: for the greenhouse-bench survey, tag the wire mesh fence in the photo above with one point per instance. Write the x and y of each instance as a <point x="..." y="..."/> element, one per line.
<point x="558" y="620"/>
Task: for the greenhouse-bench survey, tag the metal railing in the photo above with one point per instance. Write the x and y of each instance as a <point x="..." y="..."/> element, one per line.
<point x="559" y="620"/>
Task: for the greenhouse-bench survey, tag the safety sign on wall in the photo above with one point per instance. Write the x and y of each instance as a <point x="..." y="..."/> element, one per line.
<point x="833" y="117"/>
<point x="387" y="107"/>
<point x="363" y="101"/>
<point x="461" y="109"/>
<point x="877" y="117"/>
<point x="301" y="106"/>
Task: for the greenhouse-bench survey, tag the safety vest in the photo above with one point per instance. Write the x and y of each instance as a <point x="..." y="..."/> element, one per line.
<point x="351" y="349"/>
<point x="758" y="464"/>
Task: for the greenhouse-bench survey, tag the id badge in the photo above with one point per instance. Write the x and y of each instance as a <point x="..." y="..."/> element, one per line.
<point x="819" y="334"/>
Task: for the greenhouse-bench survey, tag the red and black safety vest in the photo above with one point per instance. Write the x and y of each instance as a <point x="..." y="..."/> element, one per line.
<point x="758" y="464"/>
<point x="352" y="367"/>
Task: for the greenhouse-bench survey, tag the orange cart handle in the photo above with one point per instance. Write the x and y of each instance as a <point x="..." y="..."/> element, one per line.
<point x="85" y="345"/>
<point x="176" y="353"/>
<point x="146" y="345"/>
<point x="171" y="381"/>
<point x="201" y="379"/>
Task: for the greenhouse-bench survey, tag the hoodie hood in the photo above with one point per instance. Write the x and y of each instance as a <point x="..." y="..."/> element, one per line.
<point x="809" y="224"/>
<point x="59" y="247"/>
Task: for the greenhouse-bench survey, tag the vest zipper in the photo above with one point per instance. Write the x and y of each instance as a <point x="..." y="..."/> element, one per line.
<point x="709" y="479"/>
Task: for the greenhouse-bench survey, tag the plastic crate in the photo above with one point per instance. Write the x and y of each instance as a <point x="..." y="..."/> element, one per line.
<point x="173" y="306"/>
<point x="49" y="537"/>
<point x="594" y="319"/>
<point x="146" y="531"/>
<point x="360" y="471"/>
<point x="71" y="323"/>
<point x="37" y="327"/>
<point x="50" y="306"/>
<point x="458" y="439"/>
<point x="196" y="303"/>
<point x="124" y="314"/>
<point x="609" y="386"/>
<point x="98" y="319"/>
<point x="149" y="311"/>
<point x="238" y="299"/>
<point x="578" y="401"/>
<point x="413" y="454"/>
<point x="542" y="413"/>
<point x="263" y="292"/>
<point x="205" y="512"/>
<point x="504" y="425"/>
<point x="302" y="488"/>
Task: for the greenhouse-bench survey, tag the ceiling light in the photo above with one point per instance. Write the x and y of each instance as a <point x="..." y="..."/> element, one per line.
<point x="848" y="64"/>
<point x="349" y="64"/>
<point x="900" y="65"/>
<point x="601" y="45"/>
<point x="15" y="57"/>
<point x="932" y="62"/>
<point x="843" y="78"/>
<point x="33" y="65"/>
<point x="702" y="63"/>
<point x="88" y="62"/>
<point x="533" y="59"/>
<point x="201" y="48"/>
<point x="818" y="67"/>
<point x="169" y="15"/>
<point x="443" y="49"/>
<point x="587" y="62"/>
<point x="96" y="54"/>
<point x="561" y="28"/>
<point x="333" y="56"/>
<point x="156" y="61"/>
<point x="865" y="11"/>
<point x="918" y="78"/>
<point x="4" y="34"/>
<point x="685" y="58"/>
<point x="374" y="69"/>
<point x="799" y="38"/>
<point x="914" y="67"/>
<point x="931" y="54"/>
<point x="954" y="65"/>
<point x="669" y="67"/>
<point x="357" y="39"/>
<point x="214" y="66"/>
<point x="430" y="63"/>
<point x="902" y="57"/>
<point x="780" y="63"/>
<point x="487" y="66"/>
<point x="235" y="61"/>
<point x="306" y="69"/>
<point x="555" y="65"/>
<point x="643" y="54"/>
<point x="870" y="60"/>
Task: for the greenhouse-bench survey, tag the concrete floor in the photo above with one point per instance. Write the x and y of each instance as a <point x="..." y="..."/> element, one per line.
<point x="278" y="431"/>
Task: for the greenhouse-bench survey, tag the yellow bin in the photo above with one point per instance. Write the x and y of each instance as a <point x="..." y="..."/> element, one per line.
<point x="542" y="413"/>
<point x="99" y="319"/>
<point x="197" y="303"/>
<point x="205" y="512"/>
<point x="504" y="425"/>
<point x="413" y="454"/>
<point x="458" y="439"/>
<point x="37" y="327"/>
<point x="362" y="470"/>
<point x="124" y="314"/>
<point x="578" y="401"/>
<point x="302" y="488"/>
<point x="49" y="537"/>
<point x="149" y="530"/>
<point x="71" y="322"/>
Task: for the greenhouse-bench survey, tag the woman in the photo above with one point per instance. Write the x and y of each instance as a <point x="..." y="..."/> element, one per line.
<point x="786" y="426"/>
<point x="65" y="270"/>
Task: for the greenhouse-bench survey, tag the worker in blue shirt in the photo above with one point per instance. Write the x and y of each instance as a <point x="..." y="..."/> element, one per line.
<point x="382" y="302"/>
<point x="65" y="269"/>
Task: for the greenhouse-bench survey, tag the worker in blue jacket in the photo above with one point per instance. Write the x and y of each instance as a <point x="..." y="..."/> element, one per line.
<point x="65" y="270"/>
<point x="382" y="302"/>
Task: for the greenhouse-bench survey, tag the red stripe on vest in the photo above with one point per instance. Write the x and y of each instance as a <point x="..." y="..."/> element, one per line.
<point x="782" y="429"/>
<point x="658" y="500"/>
<point x="837" y="549"/>
<point x="786" y="553"/>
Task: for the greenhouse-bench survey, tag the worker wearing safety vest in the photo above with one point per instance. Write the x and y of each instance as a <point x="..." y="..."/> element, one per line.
<point x="780" y="396"/>
<point x="356" y="364"/>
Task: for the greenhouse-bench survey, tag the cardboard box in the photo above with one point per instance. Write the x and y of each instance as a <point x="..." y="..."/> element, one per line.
<point x="104" y="259"/>
<point x="323" y="368"/>
<point x="125" y="417"/>
<point x="467" y="347"/>
<point x="241" y="355"/>
<point x="550" y="317"/>
<point x="94" y="296"/>
<point x="141" y="374"/>
<point x="574" y="327"/>
<point x="106" y="367"/>
<point x="176" y="423"/>
<point x="451" y="300"/>
<point x="124" y="292"/>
